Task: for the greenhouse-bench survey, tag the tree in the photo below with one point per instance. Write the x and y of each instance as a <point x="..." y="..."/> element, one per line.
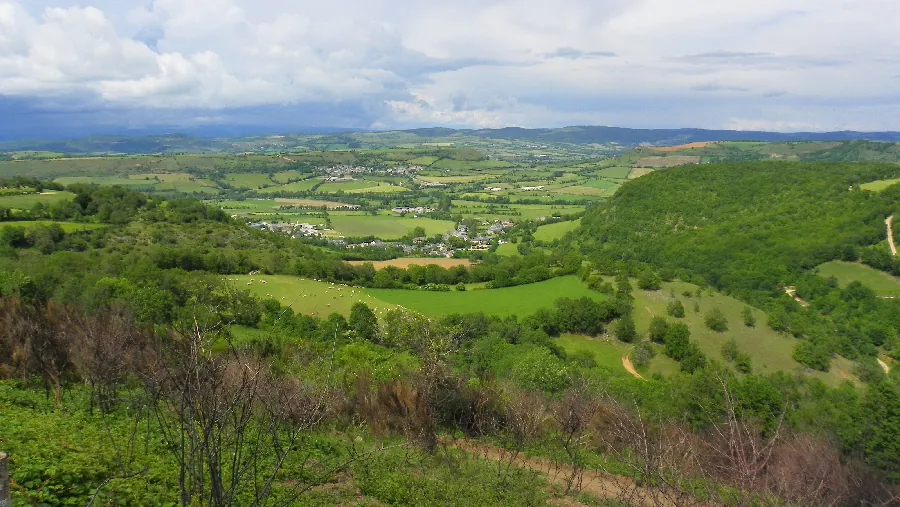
<point x="716" y="320"/>
<point x="677" y="340"/>
<point x="658" y="328"/>
<point x="675" y="309"/>
<point x="642" y="354"/>
<point x="649" y="280"/>
<point x="363" y="322"/>
<point x="749" y="318"/>
<point x="625" y="329"/>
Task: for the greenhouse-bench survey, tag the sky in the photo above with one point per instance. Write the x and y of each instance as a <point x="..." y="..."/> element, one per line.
<point x="783" y="65"/>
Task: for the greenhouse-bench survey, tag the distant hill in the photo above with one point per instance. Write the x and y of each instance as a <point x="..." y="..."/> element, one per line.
<point x="225" y="140"/>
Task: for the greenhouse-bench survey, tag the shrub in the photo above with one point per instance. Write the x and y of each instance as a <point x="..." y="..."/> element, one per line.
<point x="625" y="329"/>
<point x="675" y="309"/>
<point x="677" y="341"/>
<point x="649" y="280"/>
<point x="749" y="318"/>
<point x="658" y="327"/>
<point x="642" y="354"/>
<point x="716" y="320"/>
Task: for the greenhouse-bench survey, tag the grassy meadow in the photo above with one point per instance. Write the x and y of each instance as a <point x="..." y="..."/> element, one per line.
<point x="27" y="201"/>
<point x="555" y="231"/>
<point x="67" y="227"/>
<point x="878" y="186"/>
<point x="882" y="283"/>
<point x="386" y="227"/>
<point x="308" y="296"/>
<point x="521" y="300"/>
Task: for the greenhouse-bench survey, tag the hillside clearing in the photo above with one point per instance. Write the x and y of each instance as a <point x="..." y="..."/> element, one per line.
<point x="307" y="296"/>
<point x="882" y="283"/>
<point x="555" y="231"/>
<point x="522" y="300"/>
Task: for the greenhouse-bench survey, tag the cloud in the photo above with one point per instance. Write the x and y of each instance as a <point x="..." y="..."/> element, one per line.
<point x="477" y="63"/>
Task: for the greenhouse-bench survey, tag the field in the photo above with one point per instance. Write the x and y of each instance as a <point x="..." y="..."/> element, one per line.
<point x="249" y="180"/>
<point x="878" y="186"/>
<point x="522" y="300"/>
<point x="308" y="296"/>
<point x="386" y="227"/>
<point x="297" y="186"/>
<point x="405" y="262"/>
<point x="882" y="283"/>
<point x="67" y="227"/>
<point x="769" y="350"/>
<point x="555" y="231"/>
<point x="607" y="352"/>
<point x="288" y="176"/>
<point x="670" y="161"/>
<point x="28" y="201"/>
<point x="312" y="203"/>
<point x="507" y="249"/>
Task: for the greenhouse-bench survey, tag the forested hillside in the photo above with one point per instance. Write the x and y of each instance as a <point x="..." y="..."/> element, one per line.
<point x="753" y="229"/>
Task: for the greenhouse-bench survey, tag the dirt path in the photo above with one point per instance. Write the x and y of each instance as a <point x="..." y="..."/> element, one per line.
<point x="594" y="482"/>
<point x="884" y="366"/>
<point x="629" y="367"/>
<point x="791" y="291"/>
<point x="890" y="233"/>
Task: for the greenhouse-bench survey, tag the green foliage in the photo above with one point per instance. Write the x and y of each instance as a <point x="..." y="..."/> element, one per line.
<point x="363" y="322"/>
<point x="642" y="354"/>
<point x="658" y="328"/>
<point x="649" y="280"/>
<point x="716" y="320"/>
<point x="749" y="318"/>
<point x="625" y="329"/>
<point x="675" y="309"/>
<point x="677" y="341"/>
<point x="536" y="368"/>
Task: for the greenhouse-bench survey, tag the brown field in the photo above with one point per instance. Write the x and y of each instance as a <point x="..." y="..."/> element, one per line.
<point x="689" y="146"/>
<point x="312" y="203"/>
<point x="666" y="161"/>
<point x="420" y="261"/>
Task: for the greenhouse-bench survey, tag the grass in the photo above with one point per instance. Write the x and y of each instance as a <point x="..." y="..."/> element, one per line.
<point x="606" y="352"/>
<point x="601" y="184"/>
<point x="67" y="227"/>
<point x="614" y="172"/>
<point x="405" y="262"/>
<point x="297" y="186"/>
<point x="521" y="300"/>
<point x="28" y="201"/>
<point x="387" y="227"/>
<point x="770" y="351"/>
<point x="878" y="186"/>
<point x="557" y="230"/>
<point x="508" y="249"/>
<point x="288" y="176"/>
<point x="344" y="186"/>
<point x="249" y="180"/>
<point x="882" y="283"/>
<point x="308" y="296"/>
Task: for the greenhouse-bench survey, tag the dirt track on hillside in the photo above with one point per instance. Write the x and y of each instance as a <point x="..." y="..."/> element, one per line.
<point x="890" y="234"/>
<point x="629" y="367"/>
<point x="594" y="482"/>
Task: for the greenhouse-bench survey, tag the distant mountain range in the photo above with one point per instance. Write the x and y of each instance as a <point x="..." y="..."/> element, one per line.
<point x="223" y="140"/>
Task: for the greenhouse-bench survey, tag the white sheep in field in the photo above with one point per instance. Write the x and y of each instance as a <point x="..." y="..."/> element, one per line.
<point x="249" y="283"/>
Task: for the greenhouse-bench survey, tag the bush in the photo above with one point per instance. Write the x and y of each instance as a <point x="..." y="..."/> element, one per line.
<point x="649" y="280"/>
<point x="675" y="309"/>
<point x="677" y="341"/>
<point x="730" y="350"/>
<point x="716" y="320"/>
<point x="625" y="329"/>
<point x="658" y="328"/>
<point x="642" y="354"/>
<point x="749" y="318"/>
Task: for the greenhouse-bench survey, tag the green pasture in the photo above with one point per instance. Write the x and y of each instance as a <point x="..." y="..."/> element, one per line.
<point x="770" y="351"/>
<point x="297" y="186"/>
<point x="106" y="180"/>
<point x="424" y="160"/>
<point x="882" y="283"/>
<point x="607" y="352"/>
<point x="555" y="231"/>
<point x="27" y="201"/>
<point x="507" y="249"/>
<point x="614" y="172"/>
<point x="288" y="176"/>
<point x="249" y="180"/>
<point x="521" y="300"/>
<point x="601" y="184"/>
<point x="67" y="227"/>
<point x="307" y="296"/>
<point x="385" y="226"/>
<point x="878" y="186"/>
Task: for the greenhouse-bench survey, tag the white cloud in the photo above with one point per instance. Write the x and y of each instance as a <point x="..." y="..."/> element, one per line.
<point x="820" y="64"/>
